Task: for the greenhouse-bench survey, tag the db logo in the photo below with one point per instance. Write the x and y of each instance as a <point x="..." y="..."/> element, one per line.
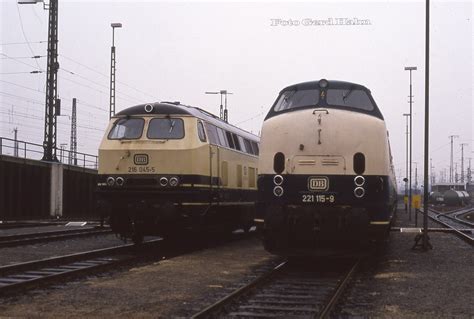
<point x="318" y="183"/>
<point x="140" y="159"/>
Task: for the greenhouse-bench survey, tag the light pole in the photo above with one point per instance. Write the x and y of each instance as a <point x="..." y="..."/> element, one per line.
<point x="462" y="161"/>
<point x="112" y="70"/>
<point x="406" y="166"/>
<point x="52" y="105"/>
<point x="410" y="68"/>
<point x="223" y="110"/>
<point x="452" y="137"/>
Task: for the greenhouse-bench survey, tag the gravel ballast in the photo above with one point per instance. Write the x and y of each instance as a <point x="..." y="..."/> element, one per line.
<point x="404" y="283"/>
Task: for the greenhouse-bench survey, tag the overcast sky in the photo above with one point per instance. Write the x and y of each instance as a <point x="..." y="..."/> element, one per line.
<point x="178" y="50"/>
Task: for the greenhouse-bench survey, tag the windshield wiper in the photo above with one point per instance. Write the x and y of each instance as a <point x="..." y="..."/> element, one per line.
<point x="289" y="96"/>
<point x="345" y="96"/>
<point x="171" y="126"/>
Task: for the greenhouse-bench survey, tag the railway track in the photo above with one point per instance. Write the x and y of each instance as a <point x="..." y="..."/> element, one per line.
<point x="463" y="229"/>
<point x="27" y="275"/>
<point x="287" y="291"/>
<point x="30" y="238"/>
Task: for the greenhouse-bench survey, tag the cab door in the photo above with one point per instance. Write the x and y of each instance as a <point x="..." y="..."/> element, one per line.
<point x="214" y="173"/>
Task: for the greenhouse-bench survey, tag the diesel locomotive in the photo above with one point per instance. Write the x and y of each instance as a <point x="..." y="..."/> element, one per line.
<point x="167" y="167"/>
<point x="326" y="177"/>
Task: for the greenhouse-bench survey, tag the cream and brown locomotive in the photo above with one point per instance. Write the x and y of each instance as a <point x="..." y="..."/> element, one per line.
<point x="166" y="167"/>
<point x="326" y="178"/>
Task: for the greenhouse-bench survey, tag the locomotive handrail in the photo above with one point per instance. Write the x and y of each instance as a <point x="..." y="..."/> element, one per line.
<point x="23" y="149"/>
<point x="321" y="110"/>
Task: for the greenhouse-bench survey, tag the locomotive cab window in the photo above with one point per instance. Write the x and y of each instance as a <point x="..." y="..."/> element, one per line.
<point x="296" y="98"/>
<point x="127" y="128"/>
<point x="352" y="98"/>
<point x="201" y="133"/>
<point x="166" y="128"/>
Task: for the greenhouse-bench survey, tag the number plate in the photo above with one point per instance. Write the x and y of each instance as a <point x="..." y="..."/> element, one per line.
<point x="313" y="198"/>
<point x="141" y="169"/>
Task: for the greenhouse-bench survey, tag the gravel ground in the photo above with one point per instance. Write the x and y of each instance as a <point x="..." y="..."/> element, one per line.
<point x="177" y="287"/>
<point x="11" y="255"/>
<point x="402" y="283"/>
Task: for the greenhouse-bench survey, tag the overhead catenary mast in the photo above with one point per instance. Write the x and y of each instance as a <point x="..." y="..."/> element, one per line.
<point x="462" y="161"/>
<point x="452" y="137"/>
<point x="73" y="143"/>
<point x="223" y="113"/>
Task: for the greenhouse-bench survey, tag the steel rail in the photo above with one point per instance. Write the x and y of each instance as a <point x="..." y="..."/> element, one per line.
<point x="25" y="239"/>
<point x="468" y="239"/>
<point x="456" y="216"/>
<point x="205" y="313"/>
<point x="326" y="308"/>
<point x="326" y="311"/>
<point x="457" y="220"/>
<point x="33" y="273"/>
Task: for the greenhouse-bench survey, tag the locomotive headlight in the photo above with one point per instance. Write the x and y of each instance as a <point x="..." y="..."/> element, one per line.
<point x="163" y="181"/>
<point x="323" y="83"/>
<point x="110" y="181"/>
<point x="278" y="191"/>
<point x="359" y="192"/>
<point x="119" y="181"/>
<point x="174" y="181"/>
<point x="359" y="180"/>
<point x="278" y="180"/>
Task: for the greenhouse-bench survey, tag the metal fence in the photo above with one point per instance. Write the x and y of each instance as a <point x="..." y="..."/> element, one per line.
<point x="34" y="151"/>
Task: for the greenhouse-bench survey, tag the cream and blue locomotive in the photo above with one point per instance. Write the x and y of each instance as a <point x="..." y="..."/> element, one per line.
<point x="166" y="167"/>
<point x="326" y="177"/>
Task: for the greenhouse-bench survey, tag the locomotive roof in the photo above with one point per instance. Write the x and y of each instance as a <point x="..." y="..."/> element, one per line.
<point x="331" y="83"/>
<point x="324" y="85"/>
<point x="176" y="108"/>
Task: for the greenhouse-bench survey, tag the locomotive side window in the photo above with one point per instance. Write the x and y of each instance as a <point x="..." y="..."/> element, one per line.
<point x="127" y="129"/>
<point x="296" y="98"/>
<point x="212" y="133"/>
<point x="236" y="142"/>
<point x="166" y="128"/>
<point x="248" y="146"/>
<point x="256" y="151"/>
<point x="354" y="98"/>
<point x="230" y="139"/>
<point x="359" y="163"/>
<point x="242" y="144"/>
<point x="201" y="133"/>
<point x="222" y="138"/>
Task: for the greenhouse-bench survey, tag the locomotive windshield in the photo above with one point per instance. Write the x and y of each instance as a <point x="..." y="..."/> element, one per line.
<point x="355" y="98"/>
<point x="167" y="128"/>
<point x="297" y="98"/>
<point x="325" y="94"/>
<point x="127" y="129"/>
